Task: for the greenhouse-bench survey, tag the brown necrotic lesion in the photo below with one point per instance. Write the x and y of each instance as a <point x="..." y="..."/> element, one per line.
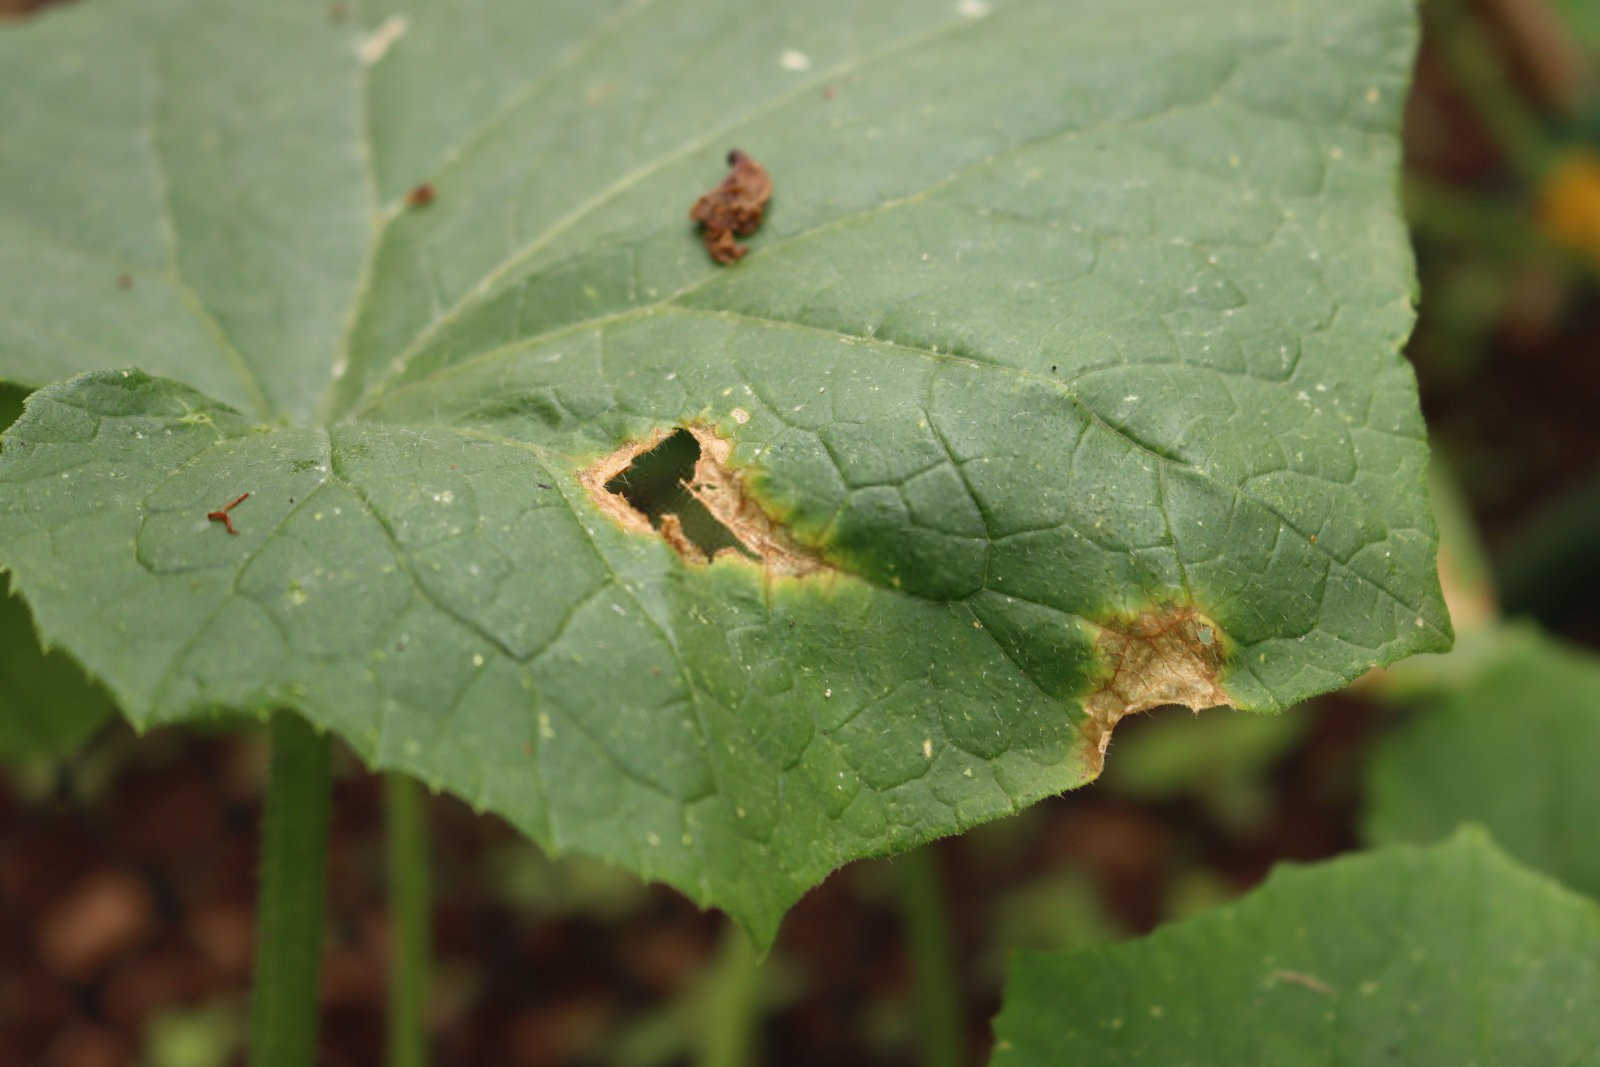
<point x="1170" y="655"/>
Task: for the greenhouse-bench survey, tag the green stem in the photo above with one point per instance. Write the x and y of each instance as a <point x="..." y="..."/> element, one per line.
<point x="732" y="1002"/>
<point x="283" y="1021"/>
<point x="407" y="833"/>
<point x="939" y="1017"/>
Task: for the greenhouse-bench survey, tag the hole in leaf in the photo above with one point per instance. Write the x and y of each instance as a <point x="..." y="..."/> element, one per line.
<point x="656" y="485"/>
<point x="680" y="484"/>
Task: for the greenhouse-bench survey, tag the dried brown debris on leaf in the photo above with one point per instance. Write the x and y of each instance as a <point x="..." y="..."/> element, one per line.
<point x="714" y="485"/>
<point x="733" y="208"/>
<point x="1169" y="656"/>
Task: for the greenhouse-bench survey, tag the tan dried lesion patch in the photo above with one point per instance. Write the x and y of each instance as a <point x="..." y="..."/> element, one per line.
<point x="721" y="489"/>
<point x="718" y="487"/>
<point x="671" y="529"/>
<point x="1173" y="655"/>
<point x="595" y="477"/>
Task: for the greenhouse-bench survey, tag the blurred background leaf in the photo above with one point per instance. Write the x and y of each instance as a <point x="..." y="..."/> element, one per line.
<point x="1448" y="955"/>
<point x="1513" y="746"/>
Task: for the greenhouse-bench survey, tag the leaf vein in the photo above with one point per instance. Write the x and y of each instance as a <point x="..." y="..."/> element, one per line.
<point x="586" y="208"/>
<point x="251" y="379"/>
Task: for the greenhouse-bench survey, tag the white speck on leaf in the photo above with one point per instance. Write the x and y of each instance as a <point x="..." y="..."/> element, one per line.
<point x="740" y="415"/>
<point x="477" y="659"/>
<point x="927" y="748"/>
<point x="973" y="9"/>
<point x="794" y="59"/>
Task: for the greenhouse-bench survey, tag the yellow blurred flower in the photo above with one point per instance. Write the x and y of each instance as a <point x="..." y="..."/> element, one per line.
<point x="1569" y="202"/>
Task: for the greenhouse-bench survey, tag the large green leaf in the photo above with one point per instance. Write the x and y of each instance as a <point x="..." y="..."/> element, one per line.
<point x="1512" y="743"/>
<point x="1449" y="955"/>
<point x="1062" y="381"/>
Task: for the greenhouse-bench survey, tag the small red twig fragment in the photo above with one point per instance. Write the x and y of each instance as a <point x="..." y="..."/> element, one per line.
<point x="733" y="208"/>
<point x="422" y="195"/>
<point x="221" y="514"/>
